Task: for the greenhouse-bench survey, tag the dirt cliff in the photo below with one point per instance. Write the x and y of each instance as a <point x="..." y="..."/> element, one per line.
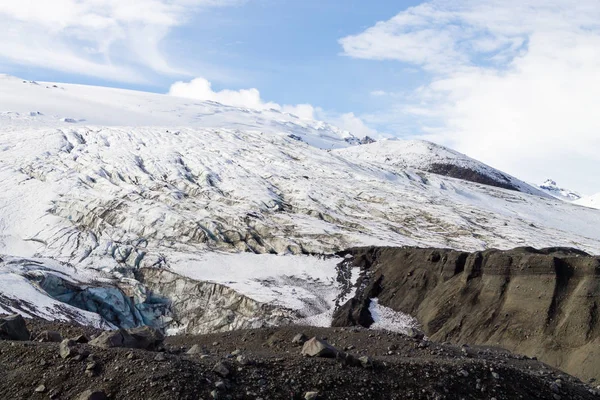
<point x="541" y="303"/>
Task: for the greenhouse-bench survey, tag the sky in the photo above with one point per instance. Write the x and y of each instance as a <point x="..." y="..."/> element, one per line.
<point x="512" y="83"/>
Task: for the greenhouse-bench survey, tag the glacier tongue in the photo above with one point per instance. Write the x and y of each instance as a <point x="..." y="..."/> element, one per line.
<point x="123" y="198"/>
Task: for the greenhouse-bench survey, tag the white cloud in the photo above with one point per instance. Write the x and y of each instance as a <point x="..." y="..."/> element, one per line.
<point x="515" y="83"/>
<point x="102" y="38"/>
<point x="201" y="89"/>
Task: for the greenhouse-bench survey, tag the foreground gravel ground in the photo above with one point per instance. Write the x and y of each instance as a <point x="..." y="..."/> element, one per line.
<point x="266" y="364"/>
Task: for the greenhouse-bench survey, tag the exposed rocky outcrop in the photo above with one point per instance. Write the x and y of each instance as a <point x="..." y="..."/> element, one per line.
<point x="472" y="175"/>
<point x="542" y="303"/>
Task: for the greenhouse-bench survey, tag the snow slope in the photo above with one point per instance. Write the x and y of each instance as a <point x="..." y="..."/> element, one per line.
<point x="41" y="104"/>
<point x="590" y="201"/>
<point x="431" y="157"/>
<point x="153" y="181"/>
<point x="551" y="187"/>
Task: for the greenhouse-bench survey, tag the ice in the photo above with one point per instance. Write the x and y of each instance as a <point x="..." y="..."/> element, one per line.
<point x="387" y="319"/>
<point x="223" y="194"/>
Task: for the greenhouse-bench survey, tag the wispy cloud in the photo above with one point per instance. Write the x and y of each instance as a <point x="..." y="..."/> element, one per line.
<point x="111" y="39"/>
<point x="513" y="82"/>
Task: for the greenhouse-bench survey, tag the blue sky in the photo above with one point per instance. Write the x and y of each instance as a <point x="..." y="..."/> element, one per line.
<point x="513" y="83"/>
<point x="287" y="49"/>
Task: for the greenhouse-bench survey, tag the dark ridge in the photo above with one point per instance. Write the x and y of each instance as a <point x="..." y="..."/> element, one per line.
<point x="539" y="302"/>
<point x="454" y="171"/>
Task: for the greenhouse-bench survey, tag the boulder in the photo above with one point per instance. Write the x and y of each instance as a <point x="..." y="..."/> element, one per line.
<point x="299" y="339"/>
<point x="195" y="349"/>
<point x="138" y="338"/>
<point x="221" y="369"/>
<point x="414" y="333"/>
<point x="147" y="337"/>
<point x="13" y="327"/>
<point x="80" y="339"/>
<point x="66" y="349"/>
<point x="110" y="339"/>
<point x="49" y="337"/>
<point x="319" y="348"/>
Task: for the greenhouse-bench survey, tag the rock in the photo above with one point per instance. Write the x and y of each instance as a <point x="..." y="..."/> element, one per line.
<point x="195" y="349"/>
<point x="49" y="337"/>
<point x="221" y="369"/>
<point x="366" y="362"/>
<point x="146" y="338"/>
<point x="236" y="352"/>
<point x="13" y="327"/>
<point x="214" y="394"/>
<point x="311" y="395"/>
<point x="160" y="357"/>
<point x="299" y="339"/>
<point x="92" y="368"/>
<point x="318" y="348"/>
<point x="40" y="389"/>
<point x="220" y="385"/>
<point x="414" y="333"/>
<point x="66" y="349"/>
<point x="80" y="339"/>
<point x="92" y="395"/>
<point x="110" y="339"/>
<point x="242" y="360"/>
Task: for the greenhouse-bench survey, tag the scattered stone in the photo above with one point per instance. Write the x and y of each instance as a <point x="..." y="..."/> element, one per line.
<point x="221" y="369"/>
<point x="414" y="333"/>
<point x="195" y="349"/>
<point x="366" y="362"/>
<point x="311" y="395"/>
<point x="49" y="337"/>
<point x="13" y="327"/>
<point x="92" y="395"/>
<point x="299" y="339"/>
<point x="220" y="385"/>
<point x="66" y="349"/>
<point x="145" y="337"/>
<point x="80" y="339"/>
<point x="318" y="348"/>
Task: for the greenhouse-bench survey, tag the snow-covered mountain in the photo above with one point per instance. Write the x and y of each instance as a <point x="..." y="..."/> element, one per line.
<point x="426" y="156"/>
<point x="590" y="201"/>
<point x="140" y="208"/>
<point x="551" y="187"/>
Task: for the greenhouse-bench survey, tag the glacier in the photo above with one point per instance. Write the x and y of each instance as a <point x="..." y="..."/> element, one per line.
<point x="124" y="208"/>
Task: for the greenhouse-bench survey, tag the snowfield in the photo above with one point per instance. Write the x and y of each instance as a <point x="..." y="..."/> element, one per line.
<point x="590" y="201"/>
<point x="109" y="182"/>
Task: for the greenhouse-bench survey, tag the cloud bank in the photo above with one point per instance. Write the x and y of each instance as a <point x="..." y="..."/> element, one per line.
<point x="201" y="89"/>
<point x="110" y="39"/>
<point x="514" y="83"/>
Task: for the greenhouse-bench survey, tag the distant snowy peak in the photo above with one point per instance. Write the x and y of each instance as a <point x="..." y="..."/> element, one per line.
<point x="551" y="187"/>
<point x="430" y="157"/>
<point x="590" y="201"/>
